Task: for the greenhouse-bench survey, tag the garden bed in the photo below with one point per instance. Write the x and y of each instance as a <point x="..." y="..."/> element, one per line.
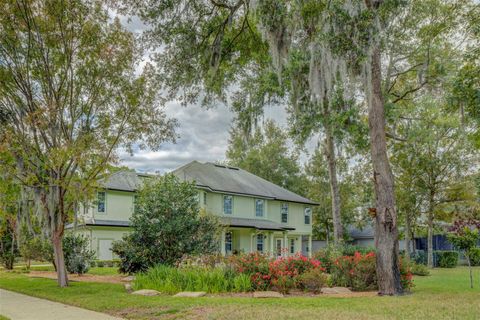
<point x="74" y="277"/>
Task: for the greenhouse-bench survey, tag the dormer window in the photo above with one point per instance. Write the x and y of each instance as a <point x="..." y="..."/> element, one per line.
<point x="101" y="202"/>
<point x="308" y="215"/>
<point x="259" y="207"/>
<point x="227" y="204"/>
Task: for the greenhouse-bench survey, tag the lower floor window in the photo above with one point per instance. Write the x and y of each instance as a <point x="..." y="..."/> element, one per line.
<point x="292" y="246"/>
<point x="260" y="242"/>
<point x="228" y="242"/>
<point x="279" y="247"/>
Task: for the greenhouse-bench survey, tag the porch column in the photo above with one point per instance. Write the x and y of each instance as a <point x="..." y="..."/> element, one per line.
<point x="272" y="244"/>
<point x="252" y="234"/>
<point x="309" y="245"/>
<point x="222" y="243"/>
<point x="285" y="245"/>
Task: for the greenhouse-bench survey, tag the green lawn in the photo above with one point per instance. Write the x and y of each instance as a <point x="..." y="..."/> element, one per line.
<point x="443" y="295"/>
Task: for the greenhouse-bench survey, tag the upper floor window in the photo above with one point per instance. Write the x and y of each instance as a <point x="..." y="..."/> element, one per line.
<point x="284" y="212"/>
<point x="260" y="242"/>
<point x="101" y="202"/>
<point x="227" y="204"/>
<point x="259" y="207"/>
<point x="228" y="242"/>
<point x="204" y="198"/>
<point x="292" y="246"/>
<point x="308" y="215"/>
<point x="135" y="203"/>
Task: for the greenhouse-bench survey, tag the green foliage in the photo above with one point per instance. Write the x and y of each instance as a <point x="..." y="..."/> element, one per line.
<point x="167" y="225"/>
<point x="313" y="280"/>
<point x="171" y="280"/>
<point x="447" y="259"/>
<point x="419" y="269"/>
<point x="474" y="255"/>
<point x="78" y="256"/>
<point x="8" y="250"/>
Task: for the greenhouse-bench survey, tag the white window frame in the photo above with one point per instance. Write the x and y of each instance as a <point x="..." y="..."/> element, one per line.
<point x="104" y="202"/>
<point x="292" y="245"/>
<point x="307" y="213"/>
<point x="231" y="205"/>
<point x="282" y="206"/>
<point x="261" y="237"/>
<point x="263" y="208"/>
<point x="230" y="242"/>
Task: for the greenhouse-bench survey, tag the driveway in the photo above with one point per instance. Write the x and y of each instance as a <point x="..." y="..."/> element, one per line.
<point x="18" y="306"/>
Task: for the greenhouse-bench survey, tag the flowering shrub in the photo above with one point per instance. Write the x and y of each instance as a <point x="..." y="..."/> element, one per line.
<point x="313" y="280"/>
<point x="357" y="271"/>
<point x="266" y="272"/>
<point x="285" y="271"/>
<point x="406" y="275"/>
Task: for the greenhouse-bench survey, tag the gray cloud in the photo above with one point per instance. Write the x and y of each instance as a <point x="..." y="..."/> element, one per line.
<point x="203" y="137"/>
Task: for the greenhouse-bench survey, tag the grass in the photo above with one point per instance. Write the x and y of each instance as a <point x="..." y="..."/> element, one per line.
<point x="3" y="318"/>
<point x="445" y="294"/>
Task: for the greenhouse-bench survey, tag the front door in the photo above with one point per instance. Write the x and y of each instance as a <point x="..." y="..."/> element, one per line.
<point x="278" y="246"/>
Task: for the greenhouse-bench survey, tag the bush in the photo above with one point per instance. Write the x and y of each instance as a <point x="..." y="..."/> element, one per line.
<point x="357" y="272"/>
<point x="447" y="259"/>
<point x="419" y="269"/>
<point x="349" y="250"/>
<point x="474" y="255"/>
<point x="313" y="280"/>
<point x="284" y="272"/>
<point x="78" y="256"/>
<point x="167" y="224"/>
<point x="172" y="280"/>
<point x="327" y="256"/>
<point x="131" y="260"/>
<point x="419" y="257"/>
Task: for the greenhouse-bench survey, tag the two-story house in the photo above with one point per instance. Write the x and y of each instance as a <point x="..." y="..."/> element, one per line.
<point x="256" y="215"/>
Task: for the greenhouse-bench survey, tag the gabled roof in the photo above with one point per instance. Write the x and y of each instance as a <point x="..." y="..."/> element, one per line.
<point x="124" y="181"/>
<point x="225" y="179"/>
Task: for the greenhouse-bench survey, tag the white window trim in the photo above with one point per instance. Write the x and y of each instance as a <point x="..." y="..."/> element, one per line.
<point x="104" y="203"/>
<point x="305" y="214"/>
<point x="281" y="212"/>
<point x="260" y="235"/>
<point x="223" y="204"/>
<point x="290" y="245"/>
<point x="255" y="208"/>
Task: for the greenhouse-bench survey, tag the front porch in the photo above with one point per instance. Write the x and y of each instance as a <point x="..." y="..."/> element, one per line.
<point x="241" y="235"/>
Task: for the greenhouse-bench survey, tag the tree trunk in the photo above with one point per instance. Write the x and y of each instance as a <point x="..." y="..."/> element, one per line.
<point x="334" y="188"/>
<point x="386" y="232"/>
<point x="408" y="240"/>
<point x="430" y="231"/>
<point x="469" y="269"/>
<point x="62" y="278"/>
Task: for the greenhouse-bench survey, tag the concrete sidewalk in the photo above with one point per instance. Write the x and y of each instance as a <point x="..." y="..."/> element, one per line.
<point x="18" y="306"/>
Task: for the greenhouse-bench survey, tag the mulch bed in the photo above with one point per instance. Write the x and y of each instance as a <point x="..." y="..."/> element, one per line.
<point x="75" y="277"/>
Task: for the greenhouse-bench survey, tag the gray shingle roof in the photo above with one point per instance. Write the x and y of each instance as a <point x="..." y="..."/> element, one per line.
<point x="103" y="223"/>
<point x="367" y="232"/>
<point x="259" y="224"/>
<point x="123" y="180"/>
<point x="219" y="178"/>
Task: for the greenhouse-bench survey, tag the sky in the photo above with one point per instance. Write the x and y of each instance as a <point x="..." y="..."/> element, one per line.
<point x="203" y="133"/>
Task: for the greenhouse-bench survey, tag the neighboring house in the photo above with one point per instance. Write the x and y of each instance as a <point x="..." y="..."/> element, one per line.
<point x="257" y="215"/>
<point x="363" y="237"/>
